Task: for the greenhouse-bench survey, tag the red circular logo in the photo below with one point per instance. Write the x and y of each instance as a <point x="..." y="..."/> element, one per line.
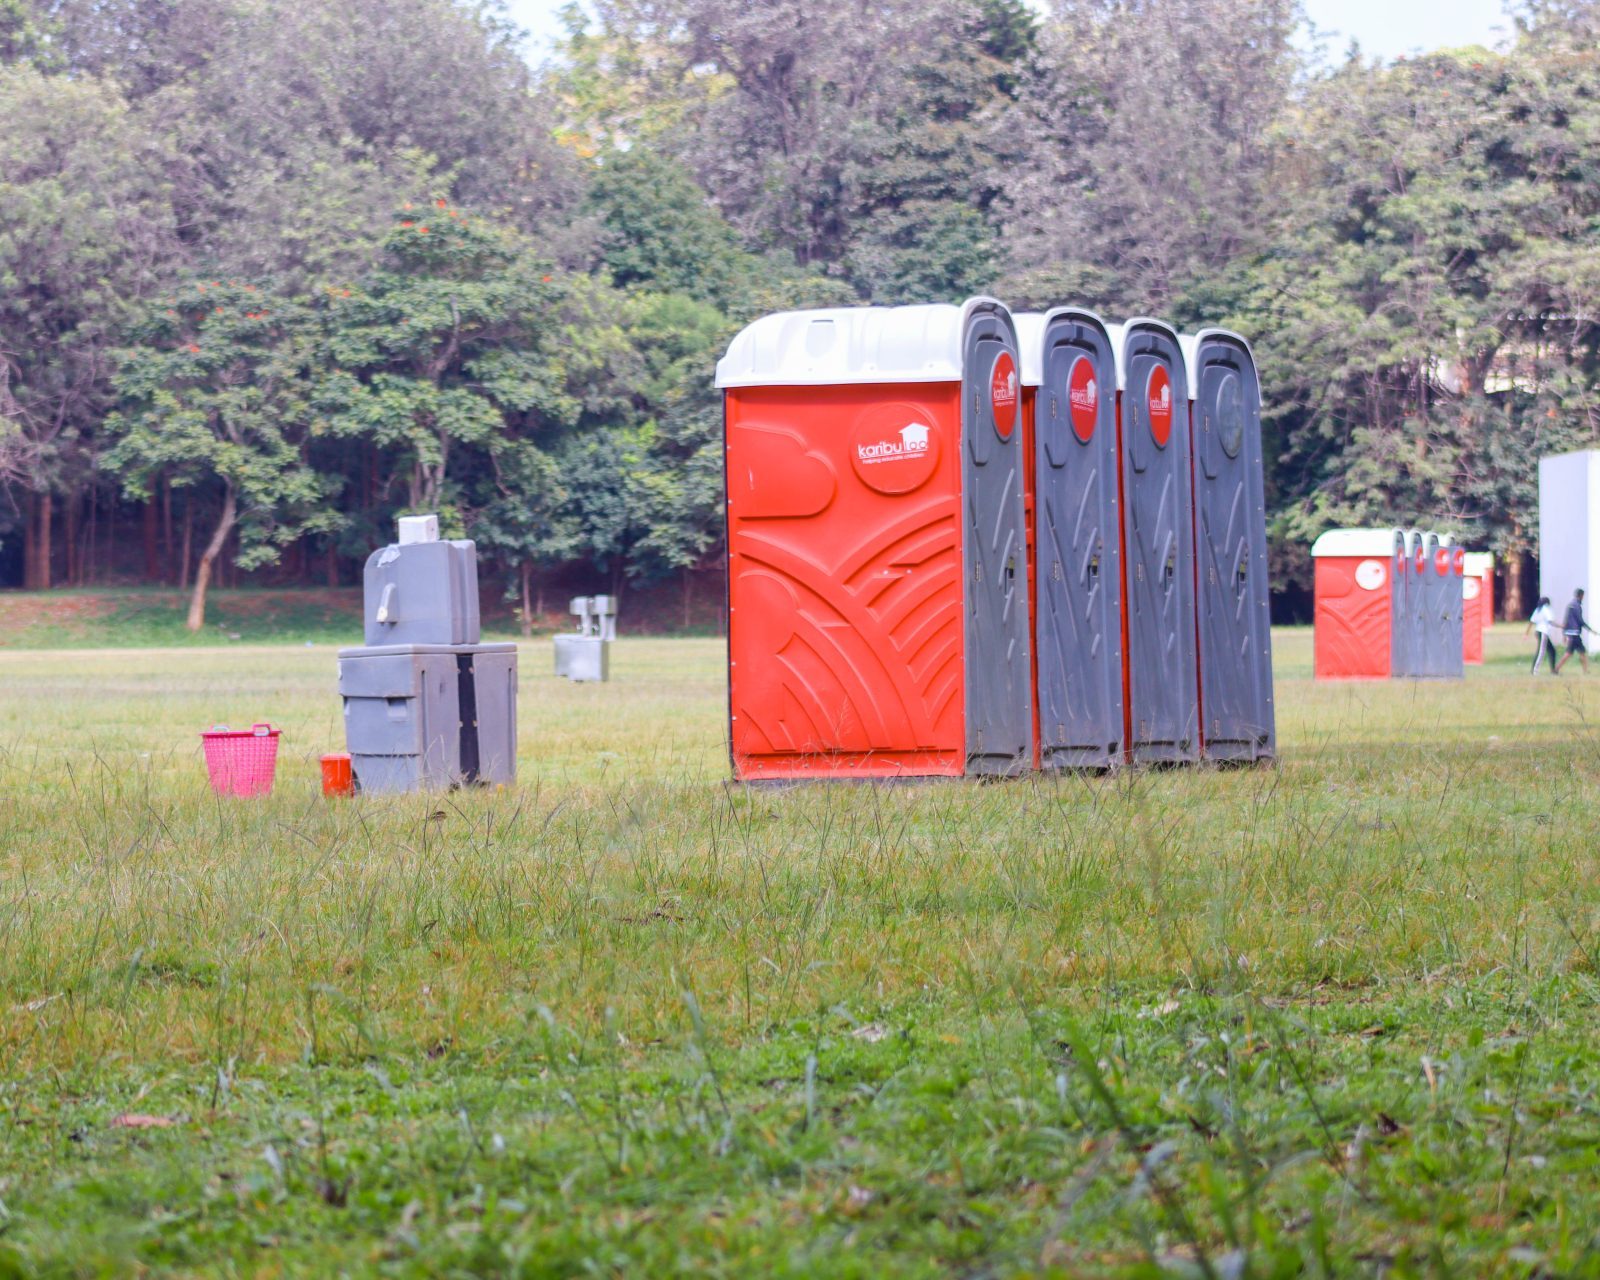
<point x="1441" y="562"/>
<point x="1083" y="398"/>
<point x="1460" y="564"/>
<point x="1158" y="395"/>
<point x="1003" y="394"/>
<point x="894" y="447"/>
<point x="1422" y="558"/>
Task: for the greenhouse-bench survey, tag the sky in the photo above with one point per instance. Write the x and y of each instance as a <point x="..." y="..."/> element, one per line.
<point x="1385" y="28"/>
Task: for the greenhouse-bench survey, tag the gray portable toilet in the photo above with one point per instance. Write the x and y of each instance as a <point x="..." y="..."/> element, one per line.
<point x="1162" y="700"/>
<point x="1416" y="605"/>
<point x="1401" y="648"/>
<point x="1069" y="377"/>
<point x="1433" y="608"/>
<point x="1230" y="518"/>
<point x="1452" y="658"/>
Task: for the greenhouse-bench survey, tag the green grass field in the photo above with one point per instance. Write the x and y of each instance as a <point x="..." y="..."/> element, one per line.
<point x="1334" y="1018"/>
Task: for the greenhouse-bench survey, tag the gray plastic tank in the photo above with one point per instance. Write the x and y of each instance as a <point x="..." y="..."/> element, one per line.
<point x="421" y="593"/>
<point x="430" y="717"/>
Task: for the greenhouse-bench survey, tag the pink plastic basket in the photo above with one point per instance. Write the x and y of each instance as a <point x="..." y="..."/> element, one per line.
<point x="241" y="762"/>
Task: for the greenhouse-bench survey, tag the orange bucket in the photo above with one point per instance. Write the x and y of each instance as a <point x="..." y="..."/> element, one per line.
<point x="336" y="779"/>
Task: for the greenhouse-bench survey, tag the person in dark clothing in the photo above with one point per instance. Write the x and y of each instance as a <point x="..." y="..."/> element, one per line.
<point x="1572" y="627"/>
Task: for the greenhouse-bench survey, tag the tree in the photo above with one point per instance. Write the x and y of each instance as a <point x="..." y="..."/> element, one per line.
<point x="444" y="341"/>
<point x="87" y="234"/>
<point x="1145" y="132"/>
<point x="216" y="390"/>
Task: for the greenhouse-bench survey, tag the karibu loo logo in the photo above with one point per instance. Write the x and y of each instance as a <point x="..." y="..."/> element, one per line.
<point x="894" y="447"/>
<point x="913" y="438"/>
<point x="1159" y="400"/>
<point x="1003" y="394"/>
<point x="1083" y="398"/>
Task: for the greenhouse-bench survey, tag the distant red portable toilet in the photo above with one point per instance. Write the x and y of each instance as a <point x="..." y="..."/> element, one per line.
<point x="1232" y="602"/>
<point x="1069" y="377"/>
<point x="1161" y="696"/>
<point x="877" y="593"/>
<point x="1477" y="604"/>
<point x="1355" y="609"/>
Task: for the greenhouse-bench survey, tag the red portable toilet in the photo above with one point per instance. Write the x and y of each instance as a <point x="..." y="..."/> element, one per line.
<point x="1477" y="604"/>
<point x="1355" y="607"/>
<point x="1162" y="693"/>
<point x="877" y="593"/>
<point x="1069" y="377"/>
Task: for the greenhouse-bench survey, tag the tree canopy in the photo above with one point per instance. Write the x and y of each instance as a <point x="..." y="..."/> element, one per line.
<point x="271" y="275"/>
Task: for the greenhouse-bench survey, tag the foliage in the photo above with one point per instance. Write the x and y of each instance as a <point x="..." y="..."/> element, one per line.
<point x="1409" y="246"/>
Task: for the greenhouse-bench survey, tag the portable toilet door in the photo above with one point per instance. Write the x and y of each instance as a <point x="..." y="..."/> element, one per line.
<point x="1477" y="604"/>
<point x="877" y="599"/>
<point x="1230" y="516"/>
<point x="1416" y="619"/>
<point x="1431" y="622"/>
<point x="1355" y="597"/>
<point x="1452" y="616"/>
<point x="1162" y="695"/>
<point x="1400" y="647"/>
<point x="1074" y="538"/>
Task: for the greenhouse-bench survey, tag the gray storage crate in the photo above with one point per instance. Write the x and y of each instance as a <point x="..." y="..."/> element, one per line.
<point x="429" y="717"/>
<point x="422" y="593"/>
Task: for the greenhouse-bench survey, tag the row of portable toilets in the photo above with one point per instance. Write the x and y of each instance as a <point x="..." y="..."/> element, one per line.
<point x="963" y="542"/>
<point x="1399" y="603"/>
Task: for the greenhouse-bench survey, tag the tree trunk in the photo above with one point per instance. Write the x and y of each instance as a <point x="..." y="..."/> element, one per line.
<point x="1512" y="572"/>
<point x="39" y="569"/>
<point x="688" y="597"/>
<point x="527" y="599"/>
<point x="188" y="541"/>
<point x="166" y="529"/>
<point x="208" y="558"/>
<point x="71" y="512"/>
<point x="30" y="539"/>
<point x="333" y="562"/>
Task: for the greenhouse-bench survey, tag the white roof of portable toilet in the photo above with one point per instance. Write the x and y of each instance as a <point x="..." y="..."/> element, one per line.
<point x="1119" y="337"/>
<point x="1031" y="326"/>
<point x="843" y="345"/>
<point x="1030" y="346"/>
<point x="1478" y="564"/>
<point x="1355" y="542"/>
<point x="1189" y="344"/>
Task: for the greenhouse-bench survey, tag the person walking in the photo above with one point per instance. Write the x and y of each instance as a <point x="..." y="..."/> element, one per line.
<point x="1543" y="625"/>
<point x="1572" y="627"/>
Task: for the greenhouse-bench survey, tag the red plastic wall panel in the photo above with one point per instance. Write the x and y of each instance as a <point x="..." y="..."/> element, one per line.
<point x="1030" y="398"/>
<point x="1351" y="636"/>
<point x="845" y="630"/>
<point x="1473" y="591"/>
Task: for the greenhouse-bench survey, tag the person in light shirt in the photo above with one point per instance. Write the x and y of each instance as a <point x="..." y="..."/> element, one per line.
<point x="1543" y="625"/>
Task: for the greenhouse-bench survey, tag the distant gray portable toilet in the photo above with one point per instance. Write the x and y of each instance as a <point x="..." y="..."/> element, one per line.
<point x="1230" y="520"/>
<point x="1431" y="624"/>
<point x="1162" y="696"/>
<point x="1401" y="645"/>
<point x="1452" y="664"/>
<point x="1416" y="605"/>
<point x="1069" y="404"/>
